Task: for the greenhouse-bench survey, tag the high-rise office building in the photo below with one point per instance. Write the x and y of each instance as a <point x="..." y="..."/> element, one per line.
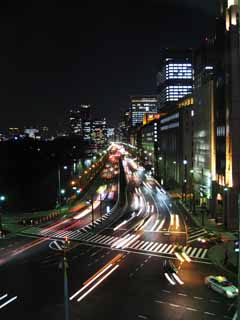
<point x="99" y="134"/>
<point x="79" y="119"/>
<point x="175" y="76"/>
<point x="141" y="105"/>
<point x="216" y="119"/>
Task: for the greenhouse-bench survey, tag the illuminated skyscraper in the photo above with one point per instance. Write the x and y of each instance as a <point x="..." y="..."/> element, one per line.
<point x="175" y="77"/>
<point x="141" y="105"/>
<point x="79" y="120"/>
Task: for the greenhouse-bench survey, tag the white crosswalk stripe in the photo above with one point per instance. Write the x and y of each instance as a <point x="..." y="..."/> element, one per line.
<point x="195" y="233"/>
<point x="138" y="245"/>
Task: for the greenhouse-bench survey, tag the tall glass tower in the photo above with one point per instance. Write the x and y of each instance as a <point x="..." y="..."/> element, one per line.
<point x="175" y="77"/>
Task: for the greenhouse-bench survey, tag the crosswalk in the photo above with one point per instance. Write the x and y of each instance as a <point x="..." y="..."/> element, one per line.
<point x="129" y="243"/>
<point x="194" y="233"/>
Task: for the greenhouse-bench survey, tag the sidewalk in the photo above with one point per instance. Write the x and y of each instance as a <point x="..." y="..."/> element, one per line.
<point x="217" y="254"/>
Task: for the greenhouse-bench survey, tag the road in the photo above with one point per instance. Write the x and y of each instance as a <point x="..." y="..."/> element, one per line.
<point x="116" y="271"/>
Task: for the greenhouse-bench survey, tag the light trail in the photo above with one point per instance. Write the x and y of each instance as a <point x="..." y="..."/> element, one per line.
<point x="98" y="283"/>
<point x="7" y="302"/>
<point x="177" y="221"/>
<point x="91" y="281"/>
<point x="178" y="279"/>
<point x="161" y="225"/>
<point x="180" y="258"/>
<point x="186" y="257"/>
<point x="120" y="225"/>
<point x="155" y="224"/>
<point x="171" y="219"/>
<point x="146" y="223"/>
<point x="169" y="279"/>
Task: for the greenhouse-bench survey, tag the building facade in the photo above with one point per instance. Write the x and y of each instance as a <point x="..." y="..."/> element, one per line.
<point x="141" y="105"/>
<point x="175" y="76"/>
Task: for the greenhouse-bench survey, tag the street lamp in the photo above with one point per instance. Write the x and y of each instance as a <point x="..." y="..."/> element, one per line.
<point x="65" y="279"/>
<point x="2" y="199"/>
<point x="184" y="187"/>
<point x="59" y="183"/>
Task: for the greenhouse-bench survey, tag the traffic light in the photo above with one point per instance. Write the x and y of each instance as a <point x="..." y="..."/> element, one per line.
<point x="236" y="245"/>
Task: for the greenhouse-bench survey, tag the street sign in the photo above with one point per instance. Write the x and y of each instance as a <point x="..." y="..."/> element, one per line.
<point x="57" y="245"/>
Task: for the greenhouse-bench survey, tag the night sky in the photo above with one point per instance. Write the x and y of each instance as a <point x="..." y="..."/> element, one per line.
<point x="58" y="53"/>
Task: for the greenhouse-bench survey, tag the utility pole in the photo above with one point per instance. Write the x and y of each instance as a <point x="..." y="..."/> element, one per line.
<point x="100" y="206"/>
<point x="59" y="185"/>
<point x="238" y="264"/>
<point x="92" y="211"/>
<point x="65" y="275"/>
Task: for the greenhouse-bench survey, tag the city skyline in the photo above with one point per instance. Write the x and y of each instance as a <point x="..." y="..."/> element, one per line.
<point x="49" y="66"/>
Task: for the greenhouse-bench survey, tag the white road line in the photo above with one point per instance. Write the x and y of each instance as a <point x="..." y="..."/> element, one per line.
<point x="196" y="235"/>
<point x="95" y="238"/>
<point x="7" y="302"/>
<point x="191" y="309"/>
<point x="137" y="246"/>
<point x="161" y="225"/>
<point x="197" y="231"/>
<point x="134" y="244"/>
<point x="149" y="245"/>
<point x="165" y="245"/>
<point x="182" y="294"/>
<point x="192" y="253"/>
<point x="198" y="298"/>
<point x="174" y="305"/>
<point x="173" y="248"/>
<point x="102" y="238"/>
<point x="154" y="226"/>
<point x="167" y="249"/>
<point x="188" y="250"/>
<point x="199" y="252"/>
<point x="144" y="245"/>
<point x="112" y="241"/>
<point x="204" y="253"/>
<point x="105" y="241"/>
<point x="209" y="313"/>
<point x="4" y="296"/>
<point x="159" y="246"/>
<point x="154" y="246"/>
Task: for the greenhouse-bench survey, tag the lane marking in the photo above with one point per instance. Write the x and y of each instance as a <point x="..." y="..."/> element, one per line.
<point x="209" y="313"/>
<point x="191" y="309"/>
<point x="4" y="296"/>
<point x="7" y="302"/>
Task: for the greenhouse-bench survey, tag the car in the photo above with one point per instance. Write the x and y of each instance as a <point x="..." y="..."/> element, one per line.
<point x="210" y="238"/>
<point x="221" y="285"/>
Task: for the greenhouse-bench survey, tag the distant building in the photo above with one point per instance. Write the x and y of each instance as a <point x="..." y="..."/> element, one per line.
<point x="99" y="135"/>
<point x="122" y="131"/>
<point x="31" y="132"/>
<point x="175" y="76"/>
<point x="78" y="116"/>
<point x="141" y="105"/>
<point x="110" y="133"/>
